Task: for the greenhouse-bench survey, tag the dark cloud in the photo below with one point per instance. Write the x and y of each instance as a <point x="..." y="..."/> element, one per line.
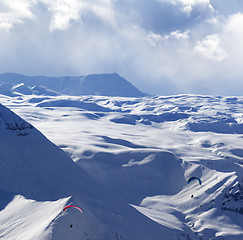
<point x="161" y="17"/>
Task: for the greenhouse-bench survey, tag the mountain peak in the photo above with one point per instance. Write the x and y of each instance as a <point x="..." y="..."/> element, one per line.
<point x="109" y="85"/>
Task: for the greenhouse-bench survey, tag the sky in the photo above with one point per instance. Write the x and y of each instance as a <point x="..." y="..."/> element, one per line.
<point x="163" y="47"/>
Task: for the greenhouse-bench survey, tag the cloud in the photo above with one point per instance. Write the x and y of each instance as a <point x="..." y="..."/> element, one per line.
<point x="161" y="46"/>
<point x="180" y="35"/>
<point x="226" y="7"/>
<point x="14" y="12"/>
<point x="187" y="9"/>
<point x="232" y="35"/>
<point x="188" y="5"/>
<point x="210" y="48"/>
<point x="63" y="12"/>
<point x="158" y="39"/>
<point x="189" y="2"/>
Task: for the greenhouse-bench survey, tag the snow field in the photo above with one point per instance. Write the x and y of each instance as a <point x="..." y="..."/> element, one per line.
<point x="144" y="150"/>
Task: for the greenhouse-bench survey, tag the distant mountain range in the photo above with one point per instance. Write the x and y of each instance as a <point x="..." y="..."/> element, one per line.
<point x="94" y="84"/>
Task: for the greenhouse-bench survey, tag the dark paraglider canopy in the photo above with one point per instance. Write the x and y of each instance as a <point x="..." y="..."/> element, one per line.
<point x="194" y="178"/>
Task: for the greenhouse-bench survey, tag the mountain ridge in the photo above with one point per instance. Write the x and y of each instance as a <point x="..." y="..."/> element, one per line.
<point x="105" y="84"/>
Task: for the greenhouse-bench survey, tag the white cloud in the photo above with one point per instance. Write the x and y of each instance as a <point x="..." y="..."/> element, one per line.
<point x="14" y="12"/>
<point x="232" y="34"/>
<point x="234" y="25"/>
<point x="66" y="11"/>
<point x="194" y="2"/>
<point x="63" y="12"/>
<point x="187" y="10"/>
<point x="180" y="35"/>
<point x="189" y="5"/>
<point x="154" y="45"/>
<point x="188" y="2"/>
<point x="210" y="48"/>
<point x="7" y="20"/>
<point x="157" y="39"/>
<point x="154" y="38"/>
<point x="105" y="12"/>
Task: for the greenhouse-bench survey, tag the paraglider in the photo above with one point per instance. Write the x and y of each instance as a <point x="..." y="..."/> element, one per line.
<point x="72" y="206"/>
<point x="193" y="178"/>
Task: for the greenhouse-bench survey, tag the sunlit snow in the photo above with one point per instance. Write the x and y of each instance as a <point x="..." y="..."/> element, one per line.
<point x="136" y="155"/>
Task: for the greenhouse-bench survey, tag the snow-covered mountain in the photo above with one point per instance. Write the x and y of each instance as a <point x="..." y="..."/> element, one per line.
<point x="22" y="89"/>
<point x="94" y="84"/>
<point x="132" y="159"/>
<point x="38" y="180"/>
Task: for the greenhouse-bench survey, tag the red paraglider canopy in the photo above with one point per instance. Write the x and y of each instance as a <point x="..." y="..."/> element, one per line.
<point x="69" y="206"/>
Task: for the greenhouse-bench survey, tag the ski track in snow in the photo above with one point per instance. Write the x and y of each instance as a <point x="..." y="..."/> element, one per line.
<point x="144" y="150"/>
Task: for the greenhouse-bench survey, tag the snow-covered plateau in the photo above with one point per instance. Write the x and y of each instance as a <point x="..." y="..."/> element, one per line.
<point x="125" y="161"/>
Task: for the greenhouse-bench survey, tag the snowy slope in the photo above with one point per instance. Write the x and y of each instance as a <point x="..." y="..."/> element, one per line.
<point x="36" y="175"/>
<point x="144" y="150"/>
<point x="28" y="219"/>
<point x="93" y="84"/>
<point x="23" y="89"/>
